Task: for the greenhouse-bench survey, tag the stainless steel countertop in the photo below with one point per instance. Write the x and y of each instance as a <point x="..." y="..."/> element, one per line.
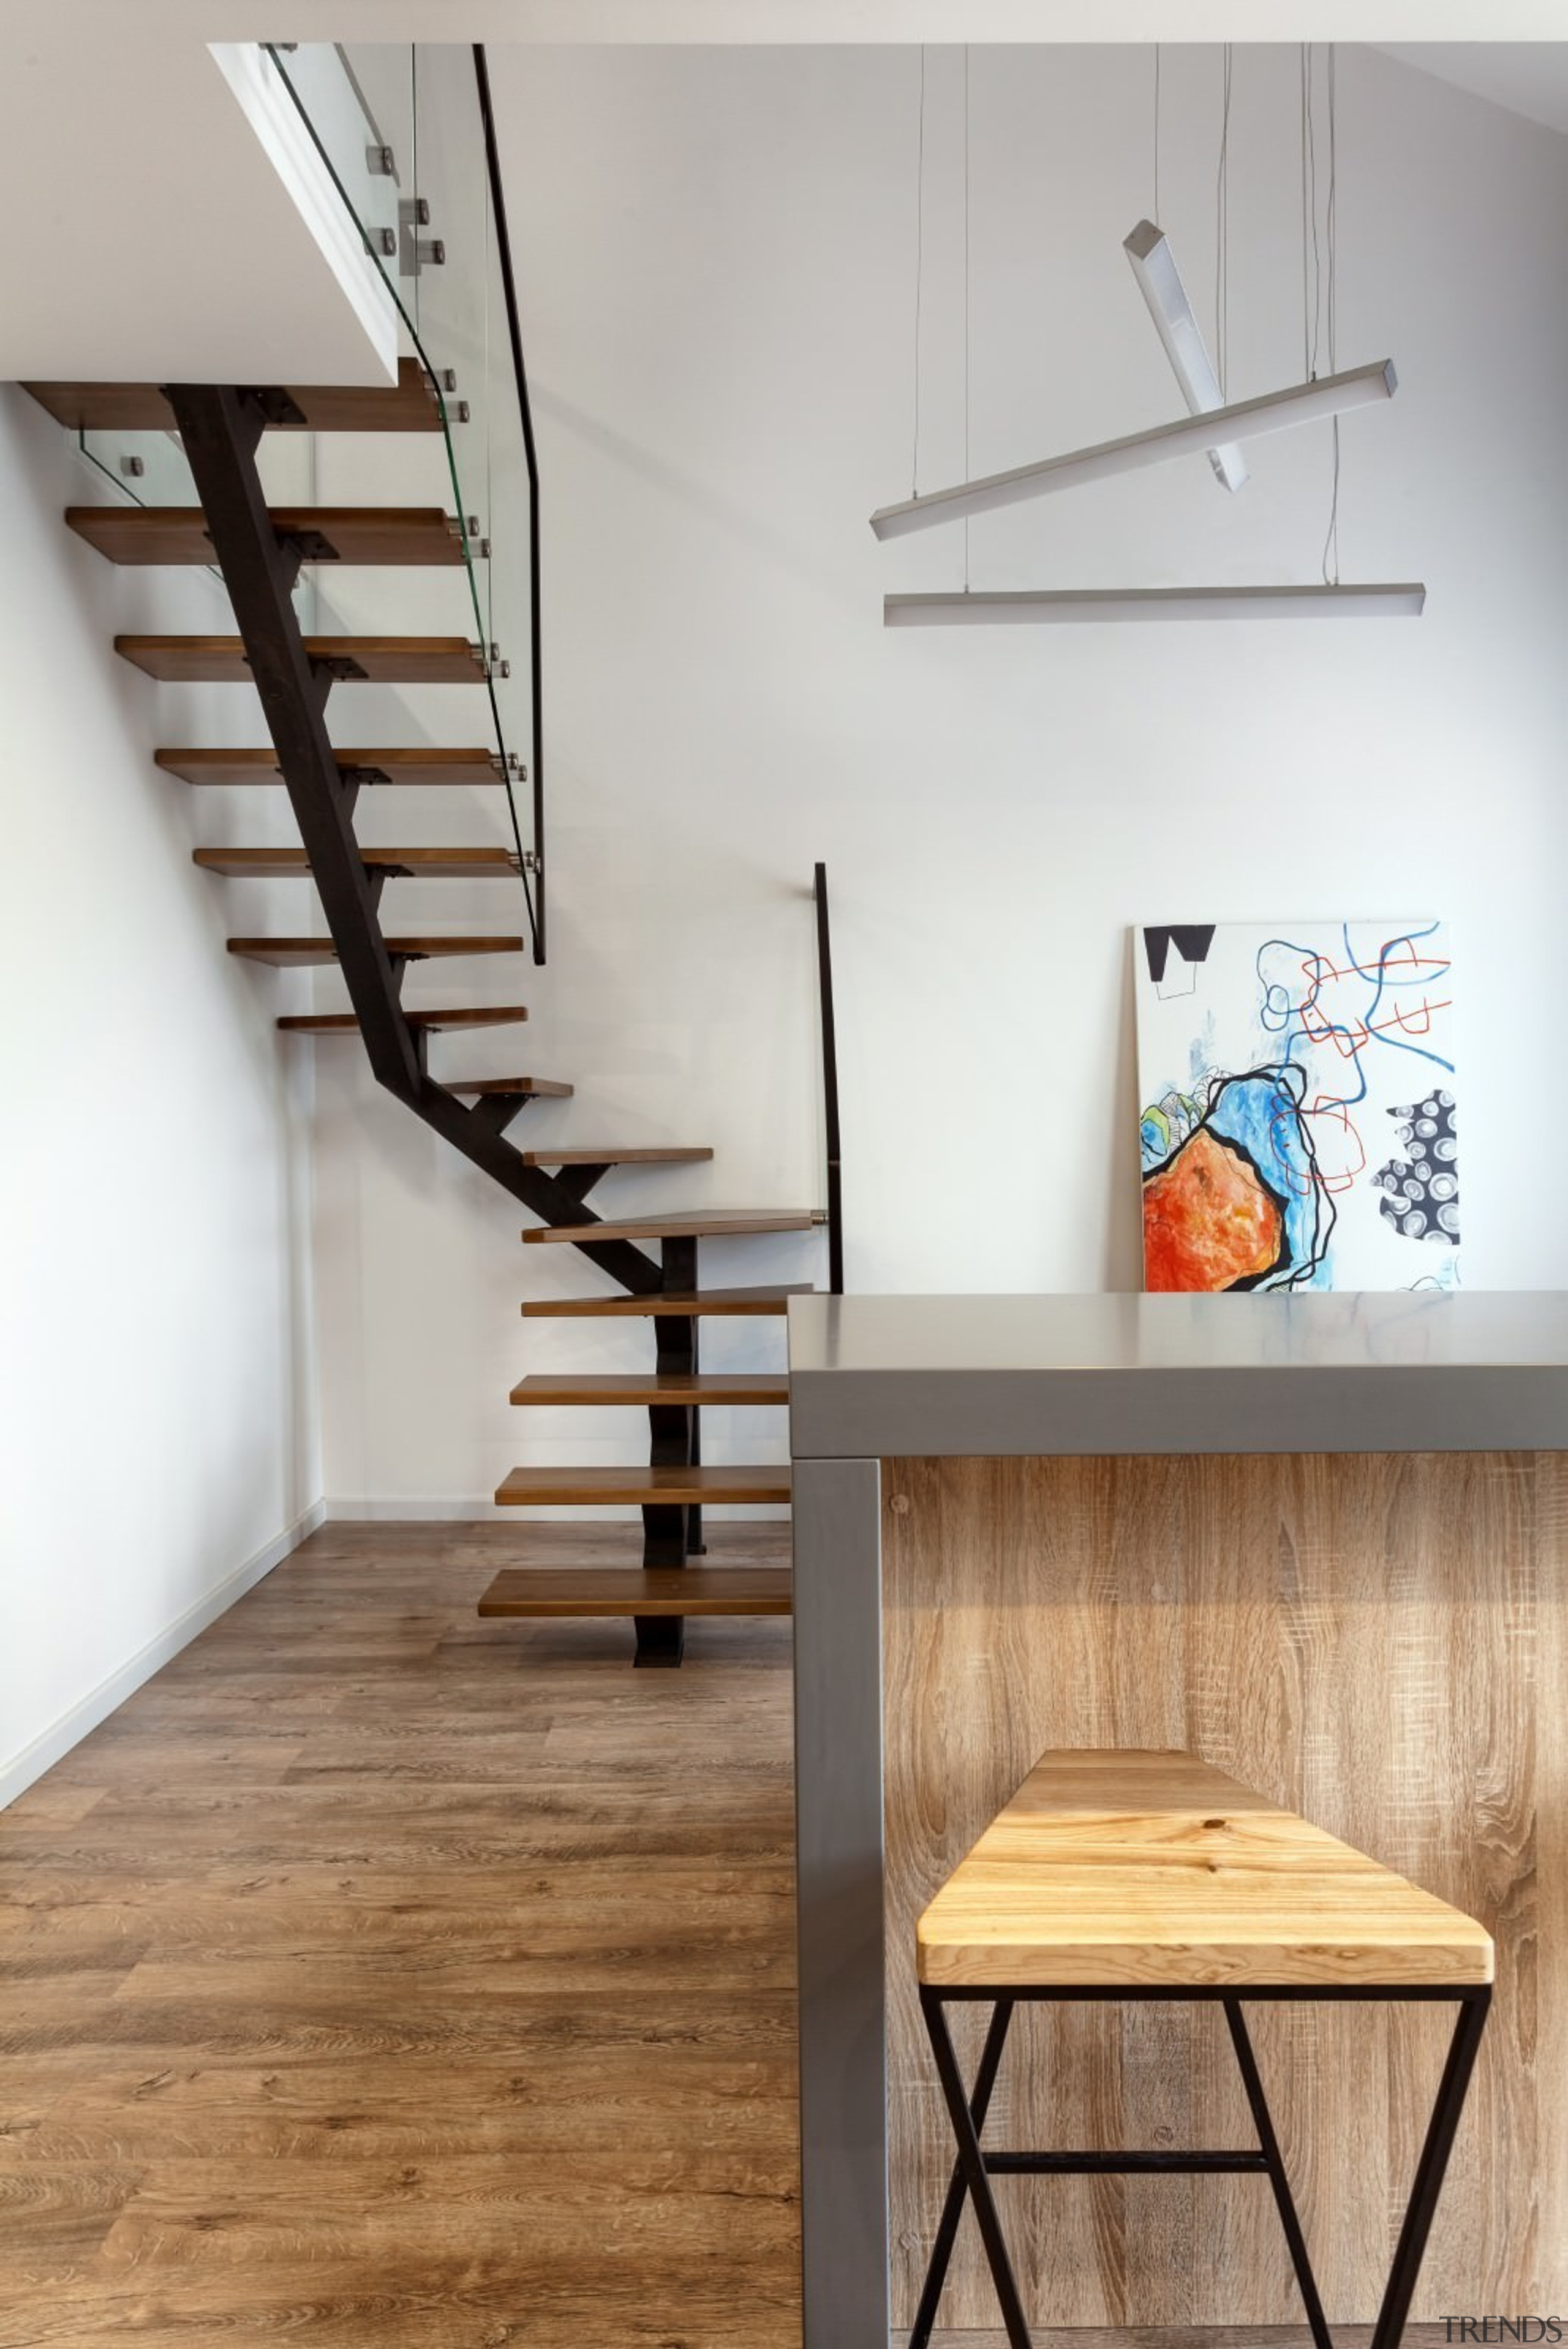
<point x="875" y="1377"/>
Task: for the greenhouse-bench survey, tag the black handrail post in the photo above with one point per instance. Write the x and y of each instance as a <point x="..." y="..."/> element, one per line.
<point x="514" y="329"/>
<point x="830" y="1088"/>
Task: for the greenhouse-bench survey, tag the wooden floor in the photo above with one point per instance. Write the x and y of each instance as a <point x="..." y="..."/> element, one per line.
<point x="382" y="1976"/>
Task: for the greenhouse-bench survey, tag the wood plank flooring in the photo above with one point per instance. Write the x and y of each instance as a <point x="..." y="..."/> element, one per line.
<point x="382" y="1976"/>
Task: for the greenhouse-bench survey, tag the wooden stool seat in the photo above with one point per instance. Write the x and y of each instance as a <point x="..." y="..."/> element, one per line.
<point x="1110" y="1867"/>
<point x="1114" y="1876"/>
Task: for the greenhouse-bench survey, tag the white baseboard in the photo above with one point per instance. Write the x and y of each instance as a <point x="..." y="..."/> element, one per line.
<point x="17" y="1776"/>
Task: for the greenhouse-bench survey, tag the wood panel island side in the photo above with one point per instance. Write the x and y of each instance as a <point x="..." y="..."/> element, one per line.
<point x="1321" y="1541"/>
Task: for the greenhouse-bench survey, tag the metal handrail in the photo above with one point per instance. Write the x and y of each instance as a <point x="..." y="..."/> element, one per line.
<point x="520" y="370"/>
<point x="533" y="899"/>
<point x="830" y="1088"/>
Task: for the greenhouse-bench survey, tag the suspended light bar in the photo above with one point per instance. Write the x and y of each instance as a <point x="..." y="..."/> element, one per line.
<point x="1403" y="600"/>
<point x="1303" y="403"/>
<point x="1160" y="282"/>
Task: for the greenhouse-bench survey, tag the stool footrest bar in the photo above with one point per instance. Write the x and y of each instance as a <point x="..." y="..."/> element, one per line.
<point x="1113" y="2165"/>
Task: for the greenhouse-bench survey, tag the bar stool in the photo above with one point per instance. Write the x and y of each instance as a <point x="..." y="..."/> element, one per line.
<point x="1114" y="1876"/>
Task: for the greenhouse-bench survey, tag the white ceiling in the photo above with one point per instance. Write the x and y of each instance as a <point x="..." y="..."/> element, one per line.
<point x="100" y="30"/>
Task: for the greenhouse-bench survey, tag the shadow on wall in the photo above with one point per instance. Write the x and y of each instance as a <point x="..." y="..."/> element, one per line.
<point x="1122" y="1270"/>
<point x="694" y="495"/>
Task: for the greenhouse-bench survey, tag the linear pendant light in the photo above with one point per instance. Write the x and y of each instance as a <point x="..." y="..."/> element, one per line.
<point x="1303" y="403"/>
<point x="1160" y="282"/>
<point x="1401" y="600"/>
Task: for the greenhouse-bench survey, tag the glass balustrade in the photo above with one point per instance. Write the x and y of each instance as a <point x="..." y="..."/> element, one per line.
<point x="406" y="134"/>
<point x="423" y="112"/>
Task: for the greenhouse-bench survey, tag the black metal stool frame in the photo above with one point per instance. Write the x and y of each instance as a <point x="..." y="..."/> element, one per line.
<point x="975" y="2168"/>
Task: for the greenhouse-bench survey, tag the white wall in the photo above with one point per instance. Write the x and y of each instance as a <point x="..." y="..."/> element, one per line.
<point x="716" y="254"/>
<point x="158" y="1411"/>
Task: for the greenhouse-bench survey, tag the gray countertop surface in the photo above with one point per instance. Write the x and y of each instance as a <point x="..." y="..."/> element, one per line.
<point x="1410" y="1371"/>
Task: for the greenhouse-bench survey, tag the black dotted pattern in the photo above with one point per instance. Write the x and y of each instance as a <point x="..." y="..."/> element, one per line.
<point x="1421" y="1192"/>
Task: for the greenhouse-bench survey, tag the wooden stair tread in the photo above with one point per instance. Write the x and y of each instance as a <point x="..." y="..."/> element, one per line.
<point x="496" y="864"/>
<point x="738" y="1387"/>
<point x="346" y="1023"/>
<point x="698" y="1225"/>
<point x="542" y="1087"/>
<point x="636" y="1157"/>
<point x="196" y="764"/>
<point x="636" y="1590"/>
<point x="409" y="406"/>
<point x="288" y="952"/>
<point x="380" y="535"/>
<point x="641" y="1485"/>
<point x="376" y="660"/>
<point x="685" y="1303"/>
<point x="1155" y="1869"/>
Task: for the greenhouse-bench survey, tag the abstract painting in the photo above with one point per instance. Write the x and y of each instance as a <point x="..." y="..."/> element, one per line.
<point x="1298" y="1120"/>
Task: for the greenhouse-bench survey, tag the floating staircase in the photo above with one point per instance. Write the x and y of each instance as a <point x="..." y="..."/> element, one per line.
<point x="675" y="1486"/>
<point x="259" y="551"/>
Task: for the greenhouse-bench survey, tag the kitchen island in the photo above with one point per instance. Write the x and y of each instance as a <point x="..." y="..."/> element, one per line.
<point x="1319" y="1540"/>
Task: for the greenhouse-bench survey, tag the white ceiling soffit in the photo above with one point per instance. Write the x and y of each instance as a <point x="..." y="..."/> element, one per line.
<point x="166" y="221"/>
<point x="152" y="21"/>
<point x="1529" y="77"/>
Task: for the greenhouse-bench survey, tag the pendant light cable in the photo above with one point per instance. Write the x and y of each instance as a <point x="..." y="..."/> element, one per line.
<point x="1311" y="252"/>
<point x="1331" y="541"/>
<point x="919" y="272"/>
<point x="1154" y="215"/>
<point x="969" y="469"/>
<point x="1222" y="234"/>
<point x="1306" y="245"/>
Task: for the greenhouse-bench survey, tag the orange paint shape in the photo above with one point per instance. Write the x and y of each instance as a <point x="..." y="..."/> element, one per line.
<point x="1207" y="1220"/>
